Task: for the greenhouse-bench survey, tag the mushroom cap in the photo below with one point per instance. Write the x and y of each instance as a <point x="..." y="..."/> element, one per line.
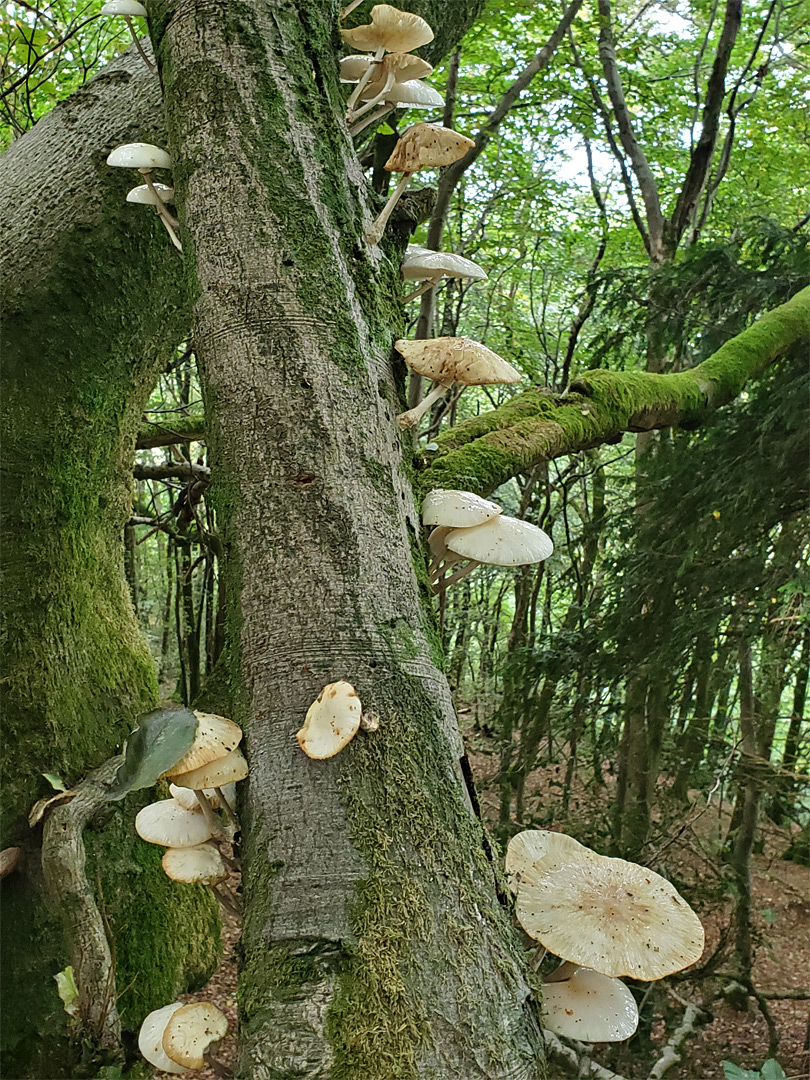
<point x="531" y="852"/>
<point x="191" y="1030"/>
<point x="227" y="769"/>
<point x="214" y="738"/>
<point x="144" y="194"/>
<point x="456" y="359"/>
<point x="123" y="7"/>
<point x="427" y="146"/>
<point x="139" y="155"/>
<point x="188" y="799"/>
<point x="412" y="95"/>
<point x="332" y="721"/>
<point x="610" y="915"/>
<point x="404" y="67"/>
<point x="456" y="509"/>
<point x="201" y="864"/>
<point x="171" y="825"/>
<point x="150" y="1039"/>
<point x="591" y="1007"/>
<point x="417" y="267"/>
<point x="389" y="29"/>
<point x="502" y="541"/>
<point x="438" y="549"/>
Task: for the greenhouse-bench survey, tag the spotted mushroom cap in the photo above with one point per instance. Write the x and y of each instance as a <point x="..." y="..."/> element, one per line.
<point x="458" y="509"/>
<point x="427" y="146"/>
<point x="502" y="541"/>
<point x="390" y="29"/>
<point x="191" y="1030"/>
<point x="150" y="1039"/>
<point x="171" y="825"/>
<point x="590" y="1007"/>
<point x="228" y="769"/>
<point x="214" y="738"/>
<point x="456" y="359"/>
<point x="332" y="721"/>
<point x="614" y="916"/>
<point x="532" y="852"/>
<point x="201" y="865"/>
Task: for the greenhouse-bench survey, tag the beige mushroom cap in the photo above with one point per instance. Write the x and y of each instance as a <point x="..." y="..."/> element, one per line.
<point x="202" y="865"/>
<point x="150" y="1039"/>
<point x="614" y="916"/>
<point x="389" y="29"/>
<point x="456" y="359"/>
<point x="171" y="825"/>
<point x="188" y="799"/>
<point x="214" y="738"/>
<point x="427" y="146"/>
<point x="501" y="541"/>
<point x="403" y="66"/>
<point x="412" y="95"/>
<point x="590" y="1007"/>
<point x="532" y="852"/>
<point x="332" y="721"/>
<point x="228" y="769"/>
<point x="124" y="7"/>
<point x="421" y="265"/>
<point x="458" y="509"/>
<point x="191" y="1030"/>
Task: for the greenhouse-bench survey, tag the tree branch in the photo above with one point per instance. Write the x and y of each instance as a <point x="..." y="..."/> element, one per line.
<point x="183" y="429"/>
<point x="182" y="470"/>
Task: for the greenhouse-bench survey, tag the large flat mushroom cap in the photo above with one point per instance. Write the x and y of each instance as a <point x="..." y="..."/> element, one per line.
<point x="532" y="852"/>
<point x="389" y="29"/>
<point x="228" y="769"/>
<point x="150" y="1039"/>
<point x="614" y="916"/>
<point x="139" y="155"/>
<point x="215" y="737"/>
<point x="332" y="721"/>
<point x="412" y="95"/>
<point x="591" y="1007"/>
<point x="427" y="146"/>
<point x="421" y="265"/>
<point x="171" y="825"/>
<point x="502" y="541"/>
<point x="191" y="1030"/>
<point x="458" y="509"/>
<point x="456" y="359"/>
<point x="201" y="865"/>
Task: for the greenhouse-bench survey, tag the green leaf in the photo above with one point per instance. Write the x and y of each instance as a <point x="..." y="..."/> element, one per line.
<point x="56" y="782"/>
<point x="385" y="129"/>
<point x="772" y="1070"/>
<point x="158" y="742"/>
<point x="68" y="991"/>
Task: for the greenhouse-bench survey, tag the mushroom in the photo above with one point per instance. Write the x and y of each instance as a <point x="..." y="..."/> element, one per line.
<point x="442" y="556"/>
<point x="614" y="916"/>
<point x="222" y="772"/>
<point x="533" y="851"/>
<point x="446" y="360"/>
<point x="188" y="798"/>
<point x="128" y="9"/>
<point x="170" y="825"/>
<point x="458" y="509"/>
<point x="151" y="196"/>
<point x="432" y="266"/>
<point x="390" y="31"/>
<point x="332" y="721"/>
<point x="423" y="146"/>
<point x="216" y="736"/>
<point x="401" y="95"/>
<point x="501" y="541"/>
<point x="191" y="1031"/>
<point x="145" y="157"/>
<point x="589" y="1006"/>
<point x="381" y="78"/>
<point x="150" y="1039"/>
<point x="201" y="865"/>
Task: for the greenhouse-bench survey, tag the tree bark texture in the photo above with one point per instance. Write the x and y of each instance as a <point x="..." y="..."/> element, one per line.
<point x="374" y="943"/>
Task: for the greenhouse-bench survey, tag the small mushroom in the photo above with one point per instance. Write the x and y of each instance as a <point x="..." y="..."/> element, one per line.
<point x="151" y="196"/>
<point x="170" y="825"/>
<point x="589" y="1006"/>
<point x="380" y="75"/>
<point x="401" y="95"/>
<point x="458" y="509"/>
<point x="129" y="9"/>
<point x="332" y="721"/>
<point x="432" y="266"/>
<point x="191" y="1031"/>
<point x="228" y="769"/>
<point x="145" y="157"/>
<point x="446" y="360"/>
<point x="501" y="541"/>
<point x="201" y="865"/>
<point x="188" y="798"/>
<point x="215" y="737"/>
<point x="390" y="31"/>
<point x="150" y="1039"/>
<point x="423" y="146"/>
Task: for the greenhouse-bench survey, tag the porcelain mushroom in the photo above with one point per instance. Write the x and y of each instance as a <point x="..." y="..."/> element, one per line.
<point x="150" y="1040"/>
<point x="332" y="721"/>
<point x="589" y="1006"/>
<point x="446" y="360"/>
<point x="215" y="739"/>
<point x="402" y="95"/>
<point x="448" y="509"/>
<point x="390" y="31"/>
<point x="170" y="825"/>
<point x="534" y="852"/>
<point x="393" y="68"/>
<point x="200" y="865"/>
<point x="151" y="196"/>
<point x="129" y="9"/>
<point x="432" y="266"/>
<point x="423" y="146"/>
<point x="191" y="1031"/>
<point x="145" y="157"/>
<point x="502" y="541"/>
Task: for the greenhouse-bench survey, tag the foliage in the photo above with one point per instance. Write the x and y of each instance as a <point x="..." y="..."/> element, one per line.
<point x="161" y="738"/>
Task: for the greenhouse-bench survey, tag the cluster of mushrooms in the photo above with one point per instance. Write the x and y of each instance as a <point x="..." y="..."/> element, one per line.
<point x="178" y="1038"/>
<point x="604" y="918"/>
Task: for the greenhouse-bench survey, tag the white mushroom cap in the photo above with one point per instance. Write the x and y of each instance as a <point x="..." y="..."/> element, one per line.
<point x="403" y="66"/>
<point x="169" y="824"/>
<point x="191" y="1030"/>
<point x="427" y="146"/>
<point x="332" y="721"/>
<point x="438" y="548"/>
<point x="611" y="915"/>
<point x="188" y="799"/>
<point x="532" y="852"/>
<point x="412" y="95"/>
<point x="590" y="1007"/>
<point x="228" y="769"/>
<point x="418" y="267"/>
<point x="123" y="7"/>
<point x="139" y="155"/>
<point x="391" y="30"/>
<point x="353" y="68"/>
<point x="214" y="738"/>
<point x="502" y="541"/>
<point x="456" y="359"/>
<point x="458" y="509"/>
<point x="201" y="864"/>
<point x="150" y="1039"/>
<point x="144" y="194"/>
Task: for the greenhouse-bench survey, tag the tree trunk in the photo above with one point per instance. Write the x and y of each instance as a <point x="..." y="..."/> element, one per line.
<point x="374" y="944"/>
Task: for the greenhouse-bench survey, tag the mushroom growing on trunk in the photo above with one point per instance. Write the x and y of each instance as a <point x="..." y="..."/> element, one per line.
<point x="431" y="266"/>
<point x="332" y="721"/>
<point x="390" y="31"/>
<point x="501" y="541"/>
<point x="145" y="157"/>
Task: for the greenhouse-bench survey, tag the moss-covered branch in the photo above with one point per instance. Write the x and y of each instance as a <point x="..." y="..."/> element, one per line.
<point x="601" y="406"/>
<point x="180" y="429"/>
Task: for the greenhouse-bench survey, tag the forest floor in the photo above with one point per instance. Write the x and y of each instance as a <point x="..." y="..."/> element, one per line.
<point x="688" y="856"/>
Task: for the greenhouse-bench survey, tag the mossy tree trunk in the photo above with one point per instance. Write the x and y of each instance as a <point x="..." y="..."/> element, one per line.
<point x="93" y="304"/>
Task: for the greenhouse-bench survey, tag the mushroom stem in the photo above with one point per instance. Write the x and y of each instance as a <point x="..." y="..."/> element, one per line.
<point x="369" y="120"/>
<point x="426" y="286"/>
<point x="364" y="79"/>
<point x="209" y="815"/>
<point x="226" y="806"/>
<point x="378" y="228"/>
<point x="454" y="578"/>
<point x="227" y="899"/>
<point x="412" y="417"/>
<point x="561" y="974"/>
<point x="367" y="106"/>
<point x="350" y="8"/>
<point x="138" y="46"/>
<point x="170" y="222"/>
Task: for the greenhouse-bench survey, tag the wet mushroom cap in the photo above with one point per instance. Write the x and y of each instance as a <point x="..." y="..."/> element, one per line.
<point x="201" y="865"/>
<point x="591" y="1007"/>
<point x="332" y="721"/>
<point x="191" y="1030"/>
<point x="419" y="266"/>
<point x="143" y="194"/>
<point x="215" y="737"/>
<point x="228" y="769"/>
<point x="502" y="541"/>
<point x="456" y="359"/>
<point x="150" y="1039"/>
<point x="427" y="146"/>
<point x="532" y="852"/>
<point x="457" y="509"/>
<point x="389" y="29"/>
<point x="124" y="7"/>
<point x="614" y="916"/>
<point x="412" y="95"/>
<point x="139" y="156"/>
<point x="171" y="825"/>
